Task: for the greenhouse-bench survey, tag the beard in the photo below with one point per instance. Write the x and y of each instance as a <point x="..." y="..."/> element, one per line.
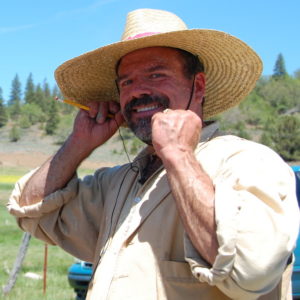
<point x="142" y="127"/>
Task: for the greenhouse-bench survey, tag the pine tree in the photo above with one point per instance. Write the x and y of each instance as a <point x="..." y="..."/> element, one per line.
<point x="46" y="89"/>
<point x="3" y="113"/>
<point x="40" y="98"/>
<point x="15" y="96"/>
<point x="56" y="92"/>
<point x="53" y="118"/>
<point x="30" y="96"/>
<point x="279" y="71"/>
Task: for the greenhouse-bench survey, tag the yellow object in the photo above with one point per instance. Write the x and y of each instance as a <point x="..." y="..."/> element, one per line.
<point x="110" y="116"/>
<point x="76" y="104"/>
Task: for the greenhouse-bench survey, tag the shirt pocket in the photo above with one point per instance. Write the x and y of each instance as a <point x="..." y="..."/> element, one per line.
<point x="177" y="282"/>
<point x="177" y="272"/>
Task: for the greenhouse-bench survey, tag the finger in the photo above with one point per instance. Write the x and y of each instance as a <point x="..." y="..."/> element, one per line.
<point x="113" y="107"/>
<point x="94" y="107"/>
<point x="102" y="112"/>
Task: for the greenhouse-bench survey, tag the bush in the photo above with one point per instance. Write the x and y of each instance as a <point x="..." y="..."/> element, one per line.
<point x="283" y="135"/>
<point x="14" y="134"/>
<point x="33" y="113"/>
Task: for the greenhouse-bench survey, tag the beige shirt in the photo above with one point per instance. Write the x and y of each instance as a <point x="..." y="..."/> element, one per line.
<point x="134" y="236"/>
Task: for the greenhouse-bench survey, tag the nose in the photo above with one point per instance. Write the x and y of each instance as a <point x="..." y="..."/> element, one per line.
<point x="139" y="89"/>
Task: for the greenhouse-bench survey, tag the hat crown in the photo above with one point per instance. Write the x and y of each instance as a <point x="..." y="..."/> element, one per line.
<point x="144" y="22"/>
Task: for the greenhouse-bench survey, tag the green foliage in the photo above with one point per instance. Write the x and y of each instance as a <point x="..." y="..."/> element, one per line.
<point x="3" y="112"/>
<point x="14" y="134"/>
<point x="58" y="260"/>
<point x="30" y="96"/>
<point x="297" y="74"/>
<point x="15" y="97"/>
<point x="270" y="114"/>
<point x="256" y="110"/>
<point x="46" y="89"/>
<point x="41" y="98"/>
<point x="33" y="113"/>
<point x="65" y="127"/>
<point x="284" y="137"/>
<point x="52" y="119"/>
<point x="279" y="68"/>
<point x="24" y="122"/>
<point x="281" y="94"/>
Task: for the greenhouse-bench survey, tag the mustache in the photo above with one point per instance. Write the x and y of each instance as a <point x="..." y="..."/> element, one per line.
<point x="145" y="100"/>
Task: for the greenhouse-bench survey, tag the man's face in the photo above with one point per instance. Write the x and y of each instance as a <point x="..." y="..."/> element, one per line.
<point x="151" y="80"/>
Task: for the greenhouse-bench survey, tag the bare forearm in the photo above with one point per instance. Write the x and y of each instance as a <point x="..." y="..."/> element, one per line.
<point x="54" y="174"/>
<point x="194" y="194"/>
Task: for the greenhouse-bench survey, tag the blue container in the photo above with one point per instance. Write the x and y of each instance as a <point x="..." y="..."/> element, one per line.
<point x="296" y="269"/>
<point x="79" y="276"/>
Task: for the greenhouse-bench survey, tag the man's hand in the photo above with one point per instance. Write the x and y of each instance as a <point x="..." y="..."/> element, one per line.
<point x="93" y="128"/>
<point x="175" y="135"/>
<point x="175" y="130"/>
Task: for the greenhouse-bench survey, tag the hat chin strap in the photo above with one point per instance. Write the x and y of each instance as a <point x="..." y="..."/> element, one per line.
<point x="192" y="94"/>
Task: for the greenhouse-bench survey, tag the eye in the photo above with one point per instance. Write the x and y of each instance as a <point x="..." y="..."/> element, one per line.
<point x="156" y="75"/>
<point x="126" y="82"/>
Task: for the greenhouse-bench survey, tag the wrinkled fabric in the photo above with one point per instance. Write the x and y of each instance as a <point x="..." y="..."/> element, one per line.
<point x="134" y="236"/>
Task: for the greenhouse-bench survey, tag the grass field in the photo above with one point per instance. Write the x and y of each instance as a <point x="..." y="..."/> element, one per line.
<point x="10" y="238"/>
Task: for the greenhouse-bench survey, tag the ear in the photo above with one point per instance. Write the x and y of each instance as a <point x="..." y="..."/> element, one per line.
<point x="199" y="87"/>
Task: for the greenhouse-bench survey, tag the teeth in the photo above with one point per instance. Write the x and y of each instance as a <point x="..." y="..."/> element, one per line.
<point x="146" y="108"/>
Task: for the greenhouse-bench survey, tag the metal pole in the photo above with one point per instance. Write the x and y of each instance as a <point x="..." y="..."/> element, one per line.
<point x="45" y="269"/>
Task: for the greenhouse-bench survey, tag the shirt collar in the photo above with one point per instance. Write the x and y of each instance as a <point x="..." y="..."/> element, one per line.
<point x="209" y="131"/>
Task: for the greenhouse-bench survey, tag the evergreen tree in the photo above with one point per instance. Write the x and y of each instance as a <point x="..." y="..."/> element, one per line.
<point x="15" y="96"/>
<point x="279" y="71"/>
<point x="3" y="113"/>
<point x="30" y="96"/>
<point x="53" y="118"/>
<point x="56" y="92"/>
<point x="46" y="89"/>
<point x="40" y="98"/>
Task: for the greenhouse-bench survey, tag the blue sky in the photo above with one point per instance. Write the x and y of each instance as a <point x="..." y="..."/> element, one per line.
<point x="37" y="36"/>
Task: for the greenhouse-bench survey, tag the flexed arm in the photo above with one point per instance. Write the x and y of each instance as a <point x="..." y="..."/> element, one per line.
<point x="175" y="137"/>
<point x="91" y="129"/>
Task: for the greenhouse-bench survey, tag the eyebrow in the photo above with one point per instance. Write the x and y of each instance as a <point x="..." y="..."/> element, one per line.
<point x="149" y="70"/>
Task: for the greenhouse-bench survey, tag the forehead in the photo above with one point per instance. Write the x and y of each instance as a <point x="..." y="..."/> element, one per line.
<point x="148" y="57"/>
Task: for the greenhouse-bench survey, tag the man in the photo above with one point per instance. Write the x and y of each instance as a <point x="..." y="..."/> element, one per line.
<point x="186" y="219"/>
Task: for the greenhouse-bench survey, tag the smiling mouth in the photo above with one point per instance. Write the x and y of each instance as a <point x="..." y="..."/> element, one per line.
<point x="147" y="108"/>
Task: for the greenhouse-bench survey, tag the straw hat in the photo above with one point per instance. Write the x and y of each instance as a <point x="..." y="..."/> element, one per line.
<point x="232" y="67"/>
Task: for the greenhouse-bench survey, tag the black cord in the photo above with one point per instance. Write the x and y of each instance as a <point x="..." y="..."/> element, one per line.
<point x="132" y="166"/>
<point x="192" y="93"/>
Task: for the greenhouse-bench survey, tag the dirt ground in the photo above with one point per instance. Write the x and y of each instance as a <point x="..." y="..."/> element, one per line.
<point x="35" y="159"/>
<point x="34" y="148"/>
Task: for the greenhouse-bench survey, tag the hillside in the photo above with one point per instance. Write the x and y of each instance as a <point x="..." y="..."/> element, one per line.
<point x="34" y="147"/>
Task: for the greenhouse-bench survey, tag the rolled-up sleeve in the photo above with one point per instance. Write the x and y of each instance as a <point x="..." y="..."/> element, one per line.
<point x="257" y="219"/>
<point x="69" y="217"/>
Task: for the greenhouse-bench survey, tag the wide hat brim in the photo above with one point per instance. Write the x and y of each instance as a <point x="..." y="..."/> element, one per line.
<point x="231" y="68"/>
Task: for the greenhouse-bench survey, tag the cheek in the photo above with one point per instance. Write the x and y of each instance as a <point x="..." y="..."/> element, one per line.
<point x="123" y="102"/>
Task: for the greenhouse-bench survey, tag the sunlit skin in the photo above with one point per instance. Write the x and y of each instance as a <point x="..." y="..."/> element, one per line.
<point x="156" y="72"/>
<point x="174" y="136"/>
